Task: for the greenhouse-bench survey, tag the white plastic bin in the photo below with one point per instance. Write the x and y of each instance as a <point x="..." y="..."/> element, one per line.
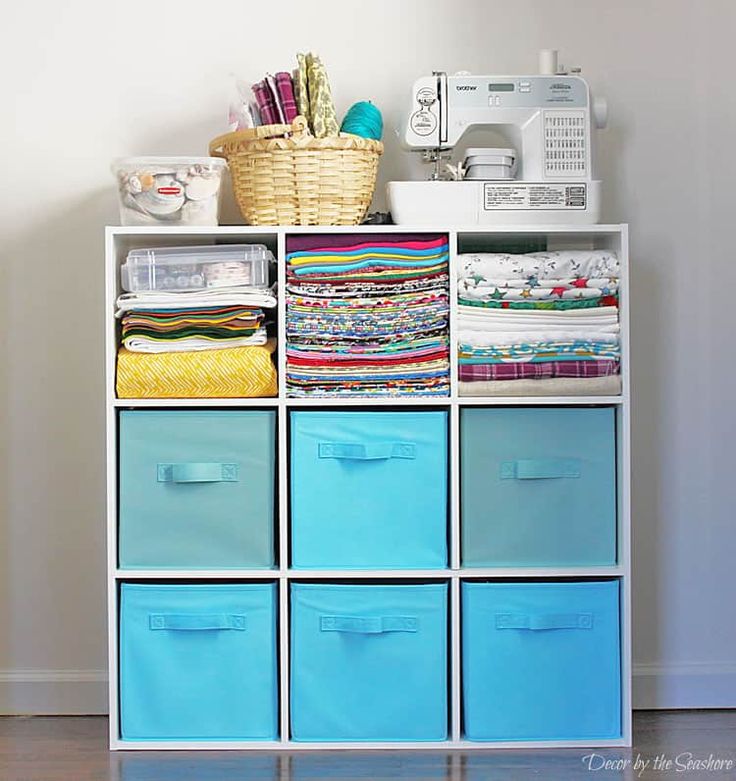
<point x="169" y="190"/>
<point x="196" y="268"/>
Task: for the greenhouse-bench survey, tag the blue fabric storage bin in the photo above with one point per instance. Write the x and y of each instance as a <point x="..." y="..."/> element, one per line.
<point x="369" y="489"/>
<point x="541" y="661"/>
<point x="368" y="662"/>
<point x="198" y="662"/>
<point x="538" y="487"/>
<point x="197" y="489"/>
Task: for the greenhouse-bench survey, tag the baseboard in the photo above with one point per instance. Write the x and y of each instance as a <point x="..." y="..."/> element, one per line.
<point x="690" y="685"/>
<point x="74" y="692"/>
<point x="53" y="692"/>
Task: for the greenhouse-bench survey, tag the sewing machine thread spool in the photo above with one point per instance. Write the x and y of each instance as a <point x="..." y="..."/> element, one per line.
<point x="548" y="65"/>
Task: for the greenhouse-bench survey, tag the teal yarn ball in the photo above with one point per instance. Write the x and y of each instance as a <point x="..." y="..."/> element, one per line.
<point x="363" y="119"/>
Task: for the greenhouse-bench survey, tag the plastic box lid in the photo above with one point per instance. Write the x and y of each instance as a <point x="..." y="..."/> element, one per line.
<point x="186" y="269"/>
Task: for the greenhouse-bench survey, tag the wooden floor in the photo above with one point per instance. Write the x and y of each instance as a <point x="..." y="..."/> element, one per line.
<point x="74" y="749"/>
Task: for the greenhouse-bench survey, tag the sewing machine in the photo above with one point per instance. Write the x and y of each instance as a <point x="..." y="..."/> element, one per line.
<point x="547" y="119"/>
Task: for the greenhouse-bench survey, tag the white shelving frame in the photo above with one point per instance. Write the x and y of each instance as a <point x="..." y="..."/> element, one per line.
<point x="118" y="241"/>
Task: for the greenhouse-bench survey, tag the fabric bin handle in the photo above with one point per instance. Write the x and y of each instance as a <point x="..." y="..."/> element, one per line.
<point x="192" y="472"/>
<point x="540" y="468"/>
<point x="543" y="621"/>
<point x="367" y="451"/>
<point x="368" y="625"/>
<point x="200" y="622"/>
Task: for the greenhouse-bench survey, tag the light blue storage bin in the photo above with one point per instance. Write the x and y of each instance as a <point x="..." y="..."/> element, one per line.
<point x="538" y="487"/>
<point x="368" y="662"/>
<point x="198" y="662"/>
<point x="197" y="489"/>
<point x="369" y="489"/>
<point x="541" y="661"/>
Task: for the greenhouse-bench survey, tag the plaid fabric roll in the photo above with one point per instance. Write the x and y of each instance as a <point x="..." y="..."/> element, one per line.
<point x="271" y="84"/>
<point x="483" y="372"/>
<point x="266" y="105"/>
<point x="285" y="87"/>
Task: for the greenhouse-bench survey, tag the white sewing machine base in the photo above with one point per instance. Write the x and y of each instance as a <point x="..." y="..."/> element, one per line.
<point x="508" y="202"/>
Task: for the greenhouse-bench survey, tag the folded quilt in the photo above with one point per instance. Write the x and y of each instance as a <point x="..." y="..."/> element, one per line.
<point x="485" y="372"/>
<point x="236" y="372"/>
<point x="609" y="385"/>
<point x="539" y="265"/>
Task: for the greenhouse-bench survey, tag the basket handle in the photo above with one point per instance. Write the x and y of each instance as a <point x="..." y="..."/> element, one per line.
<point x="298" y="128"/>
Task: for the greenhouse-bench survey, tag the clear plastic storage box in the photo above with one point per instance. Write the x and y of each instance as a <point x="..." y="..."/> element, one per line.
<point x="169" y="190"/>
<point x="181" y="269"/>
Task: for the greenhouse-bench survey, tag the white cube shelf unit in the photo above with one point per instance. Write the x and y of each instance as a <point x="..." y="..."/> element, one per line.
<point x="120" y="240"/>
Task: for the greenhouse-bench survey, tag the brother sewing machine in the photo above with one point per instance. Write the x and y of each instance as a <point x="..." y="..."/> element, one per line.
<point x="547" y="119"/>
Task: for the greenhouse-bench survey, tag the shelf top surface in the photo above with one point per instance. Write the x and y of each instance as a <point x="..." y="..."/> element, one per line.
<point x="224" y="230"/>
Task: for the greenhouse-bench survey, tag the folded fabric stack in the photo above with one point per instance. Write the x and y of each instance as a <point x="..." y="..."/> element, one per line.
<point x="367" y="316"/>
<point x="168" y="330"/>
<point x="545" y="324"/>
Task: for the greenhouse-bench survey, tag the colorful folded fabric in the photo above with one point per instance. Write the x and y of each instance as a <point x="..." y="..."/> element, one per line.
<point x="203" y="328"/>
<point x="367" y="315"/>
<point x="567" y="290"/>
<point x="540" y="352"/>
<point x="237" y="372"/>
<point x="550" y="305"/>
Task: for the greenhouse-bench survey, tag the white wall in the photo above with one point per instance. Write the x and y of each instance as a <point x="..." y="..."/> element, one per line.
<point x="86" y="81"/>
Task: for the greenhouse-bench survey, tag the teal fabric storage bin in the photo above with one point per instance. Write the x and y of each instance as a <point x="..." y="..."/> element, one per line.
<point x="368" y="662"/>
<point x="538" y="487"/>
<point x="197" y="489"/>
<point x="541" y="661"/>
<point x="369" y="490"/>
<point x="198" y="662"/>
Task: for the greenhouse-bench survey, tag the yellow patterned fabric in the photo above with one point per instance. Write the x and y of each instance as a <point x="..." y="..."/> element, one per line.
<point x="234" y="372"/>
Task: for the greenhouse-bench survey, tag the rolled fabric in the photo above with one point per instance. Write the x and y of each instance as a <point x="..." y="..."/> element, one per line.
<point x="266" y="107"/>
<point x="235" y="372"/>
<point x="302" y="89"/>
<point x="321" y="107"/>
<point x="285" y="88"/>
<point x="274" y="93"/>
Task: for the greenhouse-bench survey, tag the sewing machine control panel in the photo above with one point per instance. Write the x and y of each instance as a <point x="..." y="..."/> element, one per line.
<point x="516" y="92"/>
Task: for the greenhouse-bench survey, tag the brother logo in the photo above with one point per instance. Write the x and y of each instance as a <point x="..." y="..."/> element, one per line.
<point x="560" y="85"/>
<point x="466" y="87"/>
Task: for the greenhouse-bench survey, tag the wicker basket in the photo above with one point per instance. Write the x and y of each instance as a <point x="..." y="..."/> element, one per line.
<point x="300" y="180"/>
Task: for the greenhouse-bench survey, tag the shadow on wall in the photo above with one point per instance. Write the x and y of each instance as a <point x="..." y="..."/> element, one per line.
<point x="52" y="450"/>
